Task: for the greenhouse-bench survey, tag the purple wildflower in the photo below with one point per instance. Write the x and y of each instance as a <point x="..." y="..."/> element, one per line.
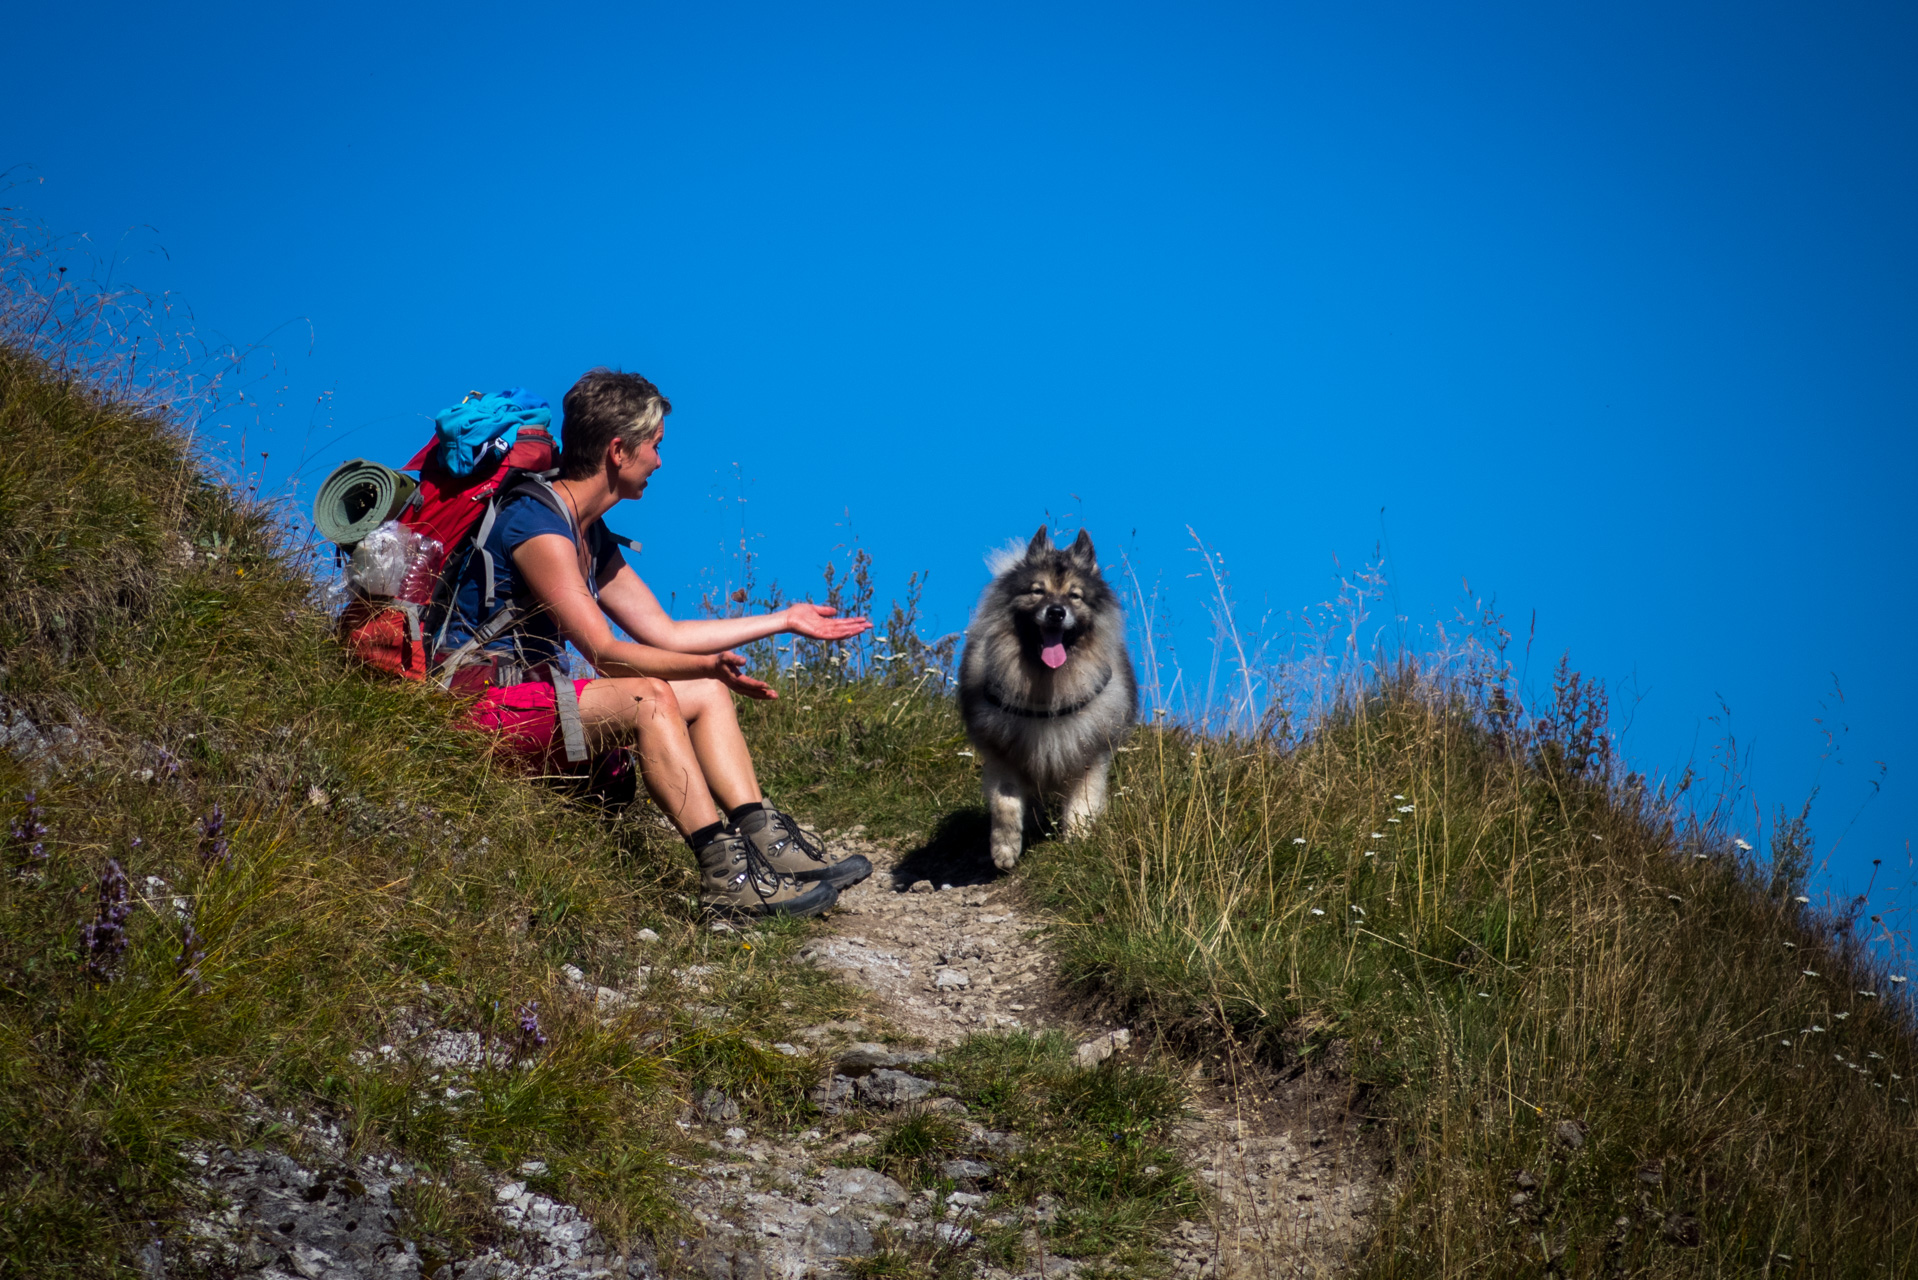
<point x="105" y="940"/>
<point x="28" y="849"/>
<point x="531" y="1039"/>
<point x="213" y="838"/>
<point x="192" y="951"/>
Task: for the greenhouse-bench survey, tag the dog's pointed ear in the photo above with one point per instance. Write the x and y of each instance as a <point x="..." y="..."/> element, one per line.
<point x="1040" y="544"/>
<point x="1082" y="553"/>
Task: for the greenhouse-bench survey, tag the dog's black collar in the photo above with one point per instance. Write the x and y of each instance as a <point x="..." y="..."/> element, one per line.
<point x="1055" y="713"/>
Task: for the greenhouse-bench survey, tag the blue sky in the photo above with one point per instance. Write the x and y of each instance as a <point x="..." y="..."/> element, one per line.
<point x="1608" y="309"/>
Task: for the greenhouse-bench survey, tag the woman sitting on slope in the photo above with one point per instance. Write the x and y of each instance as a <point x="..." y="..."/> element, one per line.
<point x="667" y="693"/>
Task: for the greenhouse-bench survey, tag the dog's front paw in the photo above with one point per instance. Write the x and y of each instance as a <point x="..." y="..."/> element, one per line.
<point x="1005" y="853"/>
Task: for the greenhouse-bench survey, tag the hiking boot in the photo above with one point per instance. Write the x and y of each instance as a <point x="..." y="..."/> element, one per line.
<point x="794" y="852"/>
<point x="734" y="880"/>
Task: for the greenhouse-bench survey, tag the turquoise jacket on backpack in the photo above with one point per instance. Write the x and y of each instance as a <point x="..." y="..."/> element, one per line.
<point x="488" y="423"/>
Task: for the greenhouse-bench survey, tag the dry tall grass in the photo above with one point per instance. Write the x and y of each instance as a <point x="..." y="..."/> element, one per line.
<point x="1603" y="1045"/>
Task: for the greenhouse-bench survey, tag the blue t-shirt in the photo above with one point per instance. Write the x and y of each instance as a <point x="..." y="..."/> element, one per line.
<point x="522" y="516"/>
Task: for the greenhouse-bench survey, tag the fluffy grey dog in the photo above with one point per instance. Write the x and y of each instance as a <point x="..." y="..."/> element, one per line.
<point x="1046" y="687"/>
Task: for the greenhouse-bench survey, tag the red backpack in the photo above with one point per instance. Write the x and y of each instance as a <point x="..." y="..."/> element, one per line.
<point x="456" y="511"/>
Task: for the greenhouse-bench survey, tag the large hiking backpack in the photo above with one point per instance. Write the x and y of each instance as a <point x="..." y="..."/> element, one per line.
<point x="502" y="444"/>
<point x="453" y="515"/>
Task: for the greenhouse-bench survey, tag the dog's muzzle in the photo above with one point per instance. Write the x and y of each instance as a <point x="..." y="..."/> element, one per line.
<point x="1054" y="621"/>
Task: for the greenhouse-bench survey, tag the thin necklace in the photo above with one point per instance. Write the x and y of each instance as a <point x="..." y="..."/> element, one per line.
<point x="579" y="527"/>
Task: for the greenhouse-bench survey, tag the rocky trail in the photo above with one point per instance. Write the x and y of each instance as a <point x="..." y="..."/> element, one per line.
<point x="944" y="952"/>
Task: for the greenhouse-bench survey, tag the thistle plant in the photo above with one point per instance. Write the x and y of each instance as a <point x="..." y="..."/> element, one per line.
<point x="105" y="940"/>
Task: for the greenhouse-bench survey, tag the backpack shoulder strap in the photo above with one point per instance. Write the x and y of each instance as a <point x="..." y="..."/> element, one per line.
<point x="539" y="485"/>
<point x="502" y="618"/>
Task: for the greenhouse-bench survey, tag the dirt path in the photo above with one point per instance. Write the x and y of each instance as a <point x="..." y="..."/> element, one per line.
<point x="945" y="952"/>
<point x="948" y="950"/>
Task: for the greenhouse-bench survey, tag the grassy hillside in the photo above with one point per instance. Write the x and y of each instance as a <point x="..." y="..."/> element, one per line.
<point x="1601" y="1043"/>
<point x="352" y="866"/>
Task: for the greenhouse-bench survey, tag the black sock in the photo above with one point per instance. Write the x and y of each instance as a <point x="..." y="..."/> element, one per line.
<point x="697" y="840"/>
<point x="745" y="809"/>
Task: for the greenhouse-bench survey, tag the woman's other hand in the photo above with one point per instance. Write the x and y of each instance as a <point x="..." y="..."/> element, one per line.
<point x="730" y="669"/>
<point x="821" y="622"/>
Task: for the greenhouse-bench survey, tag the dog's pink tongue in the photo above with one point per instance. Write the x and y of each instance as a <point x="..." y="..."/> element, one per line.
<point x="1054" y="654"/>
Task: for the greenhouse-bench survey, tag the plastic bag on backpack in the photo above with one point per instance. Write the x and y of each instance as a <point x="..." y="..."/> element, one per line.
<point x="395" y="562"/>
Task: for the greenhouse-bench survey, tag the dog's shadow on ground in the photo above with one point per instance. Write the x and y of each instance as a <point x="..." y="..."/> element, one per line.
<point x="956" y="854"/>
<point x="959" y="852"/>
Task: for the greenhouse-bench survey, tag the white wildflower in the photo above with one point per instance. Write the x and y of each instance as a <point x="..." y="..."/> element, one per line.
<point x="1702" y="856"/>
<point x="1317" y="912"/>
<point x="1356" y="907"/>
<point x="1485" y="995"/>
<point x="1869" y="995"/>
<point x="1875" y="1054"/>
<point x="1398" y="797"/>
<point x="1378" y="835"/>
<point x="1672" y="897"/>
<point x="1814" y="1027"/>
<point x="1786" y="1043"/>
<point x="1391" y="819"/>
<point x="1809" y="973"/>
<point x="1803" y="898"/>
<point x="1791" y="946"/>
<point x="1298" y="839"/>
<point x="1371" y="853"/>
<point x="1897" y="977"/>
<point x="1405" y="808"/>
<point x="1840" y="1015"/>
<point x="1743" y="845"/>
<point x="966" y="754"/>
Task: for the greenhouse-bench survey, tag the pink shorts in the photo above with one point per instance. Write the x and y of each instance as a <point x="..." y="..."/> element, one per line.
<point x="523" y="719"/>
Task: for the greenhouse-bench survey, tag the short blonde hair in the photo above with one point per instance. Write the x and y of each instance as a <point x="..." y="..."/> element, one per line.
<point x="603" y="406"/>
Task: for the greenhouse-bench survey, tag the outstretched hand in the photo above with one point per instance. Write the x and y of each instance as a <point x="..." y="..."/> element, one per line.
<point x="730" y="669"/>
<point x="820" y="622"/>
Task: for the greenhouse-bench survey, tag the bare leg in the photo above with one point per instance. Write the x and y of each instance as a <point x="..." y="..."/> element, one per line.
<point x="1006" y="807"/>
<point x="708" y="708"/>
<point x="1086" y="798"/>
<point x="644" y="714"/>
